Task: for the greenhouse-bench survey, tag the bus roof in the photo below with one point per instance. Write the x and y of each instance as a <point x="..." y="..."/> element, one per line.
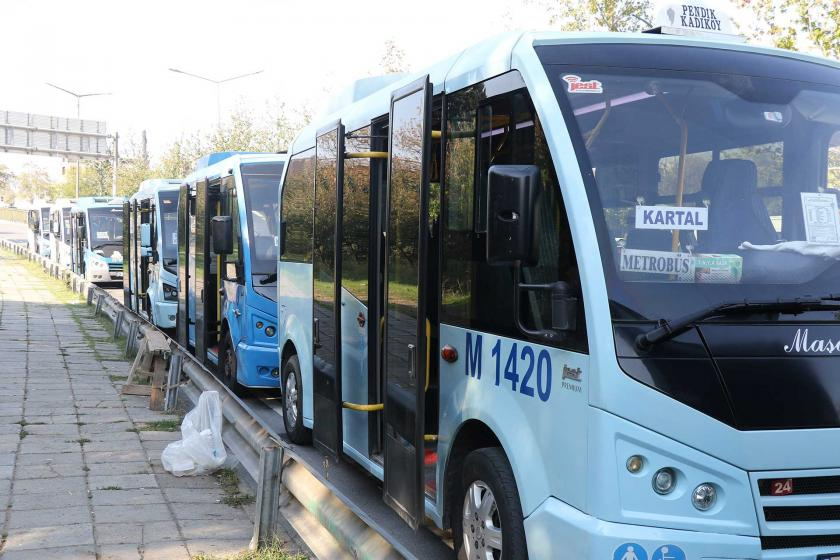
<point x="149" y="187"/>
<point x="501" y="54"/>
<point x="224" y="165"/>
<point x="87" y="202"/>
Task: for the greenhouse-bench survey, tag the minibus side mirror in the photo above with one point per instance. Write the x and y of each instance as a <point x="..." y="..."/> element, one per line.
<point x="564" y="308"/>
<point x="512" y="192"/>
<point x="145" y="236"/>
<point x="221" y="228"/>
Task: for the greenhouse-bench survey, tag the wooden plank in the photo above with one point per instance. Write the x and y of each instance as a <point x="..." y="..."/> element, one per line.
<point x="139" y="390"/>
<point x="157" y="394"/>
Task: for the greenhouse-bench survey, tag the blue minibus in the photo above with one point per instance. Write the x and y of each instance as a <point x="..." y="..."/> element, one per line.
<point x="576" y="295"/>
<point x="60" y="225"/>
<point x="97" y="239"/>
<point x="227" y="266"/>
<point x="150" y="251"/>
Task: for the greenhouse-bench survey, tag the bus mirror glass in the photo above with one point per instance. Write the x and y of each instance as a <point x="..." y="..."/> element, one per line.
<point x="33" y="220"/>
<point x="231" y="272"/>
<point x="564" y="307"/>
<point x="145" y="235"/>
<point x="221" y="229"/>
<point x="512" y="192"/>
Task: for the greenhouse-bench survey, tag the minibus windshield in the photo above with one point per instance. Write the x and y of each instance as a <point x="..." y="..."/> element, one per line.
<point x="106" y="230"/>
<point x="707" y="187"/>
<point x="169" y="230"/>
<point x="261" y="182"/>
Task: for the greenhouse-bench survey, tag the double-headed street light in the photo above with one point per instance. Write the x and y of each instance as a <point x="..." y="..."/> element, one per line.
<point x="218" y="87"/>
<point x="78" y="97"/>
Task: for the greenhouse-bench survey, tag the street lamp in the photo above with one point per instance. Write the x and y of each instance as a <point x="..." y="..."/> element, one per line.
<point x="218" y="88"/>
<point x="78" y="97"/>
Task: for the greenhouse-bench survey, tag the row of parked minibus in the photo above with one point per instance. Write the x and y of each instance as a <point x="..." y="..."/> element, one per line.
<point x="569" y="296"/>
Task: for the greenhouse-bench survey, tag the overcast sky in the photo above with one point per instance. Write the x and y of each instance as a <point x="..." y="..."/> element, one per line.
<point x="307" y="49"/>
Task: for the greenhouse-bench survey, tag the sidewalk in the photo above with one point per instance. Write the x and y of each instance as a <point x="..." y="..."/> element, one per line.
<point x="80" y="473"/>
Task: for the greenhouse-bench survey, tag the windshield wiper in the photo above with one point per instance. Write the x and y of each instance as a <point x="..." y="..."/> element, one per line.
<point x="269" y="278"/>
<point x="665" y="330"/>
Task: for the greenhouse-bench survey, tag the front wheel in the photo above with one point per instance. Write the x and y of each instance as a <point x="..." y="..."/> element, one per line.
<point x="293" y="403"/>
<point x="487" y="519"/>
<point x="227" y="365"/>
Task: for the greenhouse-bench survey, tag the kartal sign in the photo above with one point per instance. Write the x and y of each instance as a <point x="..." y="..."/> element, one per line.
<point x="695" y="19"/>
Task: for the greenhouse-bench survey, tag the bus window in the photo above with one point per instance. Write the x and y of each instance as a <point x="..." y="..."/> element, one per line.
<point x="503" y="130"/>
<point x="260" y="182"/>
<point x="833" y="180"/>
<point x="297" y="208"/>
<point x="356" y="219"/>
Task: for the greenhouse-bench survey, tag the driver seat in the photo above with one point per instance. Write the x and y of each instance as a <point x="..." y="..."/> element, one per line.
<point x="736" y="211"/>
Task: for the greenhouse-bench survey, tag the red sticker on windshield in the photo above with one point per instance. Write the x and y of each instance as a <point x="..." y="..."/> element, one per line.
<point x="579" y="85"/>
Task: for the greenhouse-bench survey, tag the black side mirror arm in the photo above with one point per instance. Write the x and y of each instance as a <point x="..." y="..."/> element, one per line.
<point x="553" y="335"/>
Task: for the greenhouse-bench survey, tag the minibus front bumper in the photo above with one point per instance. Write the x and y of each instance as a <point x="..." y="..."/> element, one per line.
<point x="558" y="531"/>
<point x="165" y="312"/>
<point x="259" y="366"/>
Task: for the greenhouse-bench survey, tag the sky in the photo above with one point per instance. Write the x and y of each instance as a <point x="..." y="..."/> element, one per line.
<point x="307" y="51"/>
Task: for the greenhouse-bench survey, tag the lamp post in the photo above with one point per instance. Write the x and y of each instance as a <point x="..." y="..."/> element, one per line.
<point x="218" y="84"/>
<point x="78" y="97"/>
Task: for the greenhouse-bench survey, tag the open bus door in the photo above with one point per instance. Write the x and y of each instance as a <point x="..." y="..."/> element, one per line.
<point x="404" y="343"/>
<point x="186" y="244"/>
<point x="206" y="274"/>
<point x="129" y="239"/>
<point x="327" y="432"/>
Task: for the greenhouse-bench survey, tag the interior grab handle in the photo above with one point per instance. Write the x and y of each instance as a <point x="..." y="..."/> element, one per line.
<point x="412" y="359"/>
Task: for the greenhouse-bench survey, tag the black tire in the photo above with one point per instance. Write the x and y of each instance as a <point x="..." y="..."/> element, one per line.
<point x="226" y="369"/>
<point x="489" y="469"/>
<point x="292" y="390"/>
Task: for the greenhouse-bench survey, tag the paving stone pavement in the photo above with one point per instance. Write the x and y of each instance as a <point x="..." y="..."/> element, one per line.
<point x="79" y="477"/>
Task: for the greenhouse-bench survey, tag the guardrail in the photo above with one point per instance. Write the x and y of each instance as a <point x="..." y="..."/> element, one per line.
<point x="281" y="479"/>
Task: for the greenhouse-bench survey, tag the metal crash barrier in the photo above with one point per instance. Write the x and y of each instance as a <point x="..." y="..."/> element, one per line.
<point x="281" y="479"/>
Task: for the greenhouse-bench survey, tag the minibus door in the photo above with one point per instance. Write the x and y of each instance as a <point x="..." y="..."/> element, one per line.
<point x="404" y="343"/>
<point x="327" y="431"/>
<point x="186" y="227"/>
<point x="128" y="253"/>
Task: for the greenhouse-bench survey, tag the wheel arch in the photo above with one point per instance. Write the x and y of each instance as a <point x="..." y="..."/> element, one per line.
<point x="471" y="435"/>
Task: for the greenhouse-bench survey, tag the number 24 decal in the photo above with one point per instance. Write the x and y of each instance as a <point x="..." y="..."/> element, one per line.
<point x="542" y="364"/>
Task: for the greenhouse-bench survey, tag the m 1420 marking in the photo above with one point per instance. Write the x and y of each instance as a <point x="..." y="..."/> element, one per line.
<point x="536" y="379"/>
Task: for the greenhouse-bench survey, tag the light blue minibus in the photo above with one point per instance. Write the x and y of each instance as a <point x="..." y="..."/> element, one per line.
<point x="227" y="258"/>
<point x="97" y="239"/>
<point x="150" y="250"/>
<point x="576" y="296"/>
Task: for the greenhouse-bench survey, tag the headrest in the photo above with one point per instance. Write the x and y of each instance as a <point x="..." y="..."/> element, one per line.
<point x="734" y="176"/>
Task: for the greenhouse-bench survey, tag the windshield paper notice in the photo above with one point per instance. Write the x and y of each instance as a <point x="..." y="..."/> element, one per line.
<point x="672" y="217"/>
<point x="820" y="213"/>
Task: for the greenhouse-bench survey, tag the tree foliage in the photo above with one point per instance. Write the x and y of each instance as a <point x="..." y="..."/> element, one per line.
<point x="393" y="58"/>
<point x="6" y="180"/>
<point x="812" y="25"/>
<point x="598" y="15"/>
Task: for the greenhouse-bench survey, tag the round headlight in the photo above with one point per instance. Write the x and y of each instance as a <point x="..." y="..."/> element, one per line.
<point x="635" y="464"/>
<point x="269" y="331"/>
<point x="664" y="481"/>
<point x="704" y="496"/>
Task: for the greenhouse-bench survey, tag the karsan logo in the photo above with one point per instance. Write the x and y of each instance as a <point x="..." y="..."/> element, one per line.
<point x="801" y="344"/>
<point x="572" y="374"/>
<point x="579" y="85"/>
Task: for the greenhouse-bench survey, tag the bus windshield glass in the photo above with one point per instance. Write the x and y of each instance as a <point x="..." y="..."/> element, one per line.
<point x="45" y="222"/>
<point x="707" y="187"/>
<point x="261" y="182"/>
<point x="169" y="229"/>
<point x="106" y="230"/>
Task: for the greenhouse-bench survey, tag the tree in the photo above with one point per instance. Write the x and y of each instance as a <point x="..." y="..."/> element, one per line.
<point x="6" y="180"/>
<point x="598" y="15"/>
<point x="34" y="183"/>
<point x="393" y="59"/>
<point x="810" y="25"/>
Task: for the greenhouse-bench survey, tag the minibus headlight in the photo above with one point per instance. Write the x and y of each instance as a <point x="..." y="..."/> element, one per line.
<point x="664" y="481"/>
<point x="269" y="331"/>
<point x="98" y="263"/>
<point x="704" y="497"/>
<point x="169" y="293"/>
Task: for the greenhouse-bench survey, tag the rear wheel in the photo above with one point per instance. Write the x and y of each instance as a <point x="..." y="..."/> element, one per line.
<point x="293" y="403"/>
<point x="227" y="365"/>
<point x="487" y="519"/>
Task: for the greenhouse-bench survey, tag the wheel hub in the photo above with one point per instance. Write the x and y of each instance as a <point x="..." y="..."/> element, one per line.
<point x="290" y="396"/>
<point x="482" y="527"/>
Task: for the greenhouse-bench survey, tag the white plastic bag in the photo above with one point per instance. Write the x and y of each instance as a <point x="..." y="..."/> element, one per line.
<point x="200" y="449"/>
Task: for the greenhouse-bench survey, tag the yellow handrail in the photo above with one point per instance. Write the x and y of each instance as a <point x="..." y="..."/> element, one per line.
<point x="366" y="155"/>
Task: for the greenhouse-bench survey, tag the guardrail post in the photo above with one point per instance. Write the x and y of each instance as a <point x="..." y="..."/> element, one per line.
<point x="118" y="321"/>
<point x="99" y="300"/>
<point x="173" y="379"/>
<point x="90" y="295"/>
<point x="131" y="338"/>
<point x="268" y="494"/>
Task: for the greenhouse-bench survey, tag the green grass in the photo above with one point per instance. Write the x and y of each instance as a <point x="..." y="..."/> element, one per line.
<point x="274" y="551"/>
<point x="111" y="488"/>
<point x="116" y="378"/>
<point x="82" y="441"/>
<point x="160" y="426"/>
<point x="229" y="482"/>
<point x="23" y="434"/>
